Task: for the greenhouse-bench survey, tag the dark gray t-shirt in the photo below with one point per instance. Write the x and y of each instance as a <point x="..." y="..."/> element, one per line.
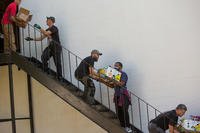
<point x="164" y="120"/>
<point x="83" y="68"/>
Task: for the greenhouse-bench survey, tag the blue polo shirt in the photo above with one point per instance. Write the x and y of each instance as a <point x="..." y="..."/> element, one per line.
<point x="119" y="89"/>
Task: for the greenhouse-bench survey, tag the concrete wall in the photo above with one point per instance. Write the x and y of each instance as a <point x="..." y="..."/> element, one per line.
<point x="51" y="114"/>
<point x="158" y="42"/>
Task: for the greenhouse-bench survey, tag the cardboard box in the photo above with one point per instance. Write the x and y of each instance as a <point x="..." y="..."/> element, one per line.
<point x="23" y="17"/>
<point x="109" y="76"/>
<point x="111" y="73"/>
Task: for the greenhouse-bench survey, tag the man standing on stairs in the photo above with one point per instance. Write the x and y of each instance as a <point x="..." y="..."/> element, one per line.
<point x="167" y="120"/>
<point x="122" y="99"/>
<point x="84" y="72"/>
<point x="7" y="25"/>
<point x="54" y="49"/>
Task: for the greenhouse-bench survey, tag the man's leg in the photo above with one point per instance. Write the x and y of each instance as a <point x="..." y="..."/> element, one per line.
<point x="91" y="91"/>
<point x="12" y="38"/>
<point x="46" y="55"/>
<point x="84" y="82"/>
<point x="6" y="38"/>
<point x="121" y="116"/>
<point x="57" y="61"/>
<point x="126" y="116"/>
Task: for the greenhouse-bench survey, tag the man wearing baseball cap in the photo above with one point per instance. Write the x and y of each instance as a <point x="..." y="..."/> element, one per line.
<point x="84" y="72"/>
<point x="54" y="49"/>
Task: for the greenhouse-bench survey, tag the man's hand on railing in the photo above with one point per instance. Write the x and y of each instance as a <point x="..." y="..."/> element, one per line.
<point x="29" y="39"/>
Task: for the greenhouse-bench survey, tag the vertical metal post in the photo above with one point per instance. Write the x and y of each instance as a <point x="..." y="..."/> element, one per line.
<point x="30" y="97"/>
<point x="70" y="69"/>
<point x="155" y="113"/>
<point x="12" y="103"/>
<point x="108" y="98"/>
<point x="140" y="115"/>
<point x="29" y="35"/>
<point x="131" y="109"/>
<point x="23" y="42"/>
<point x="147" y="106"/>
<point x="35" y="43"/>
<point x="100" y="93"/>
<point x="78" y="83"/>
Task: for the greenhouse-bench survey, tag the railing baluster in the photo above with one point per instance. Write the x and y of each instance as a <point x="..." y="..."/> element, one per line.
<point x="35" y="43"/>
<point x="140" y="113"/>
<point x="23" y="41"/>
<point x="41" y="45"/>
<point x="155" y="113"/>
<point x="147" y="106"/>
<point x="78" y="83"/>
<point x="131" y="109"/>
<point x="100" y="93"/>
<point x="63" y="64"/>
<point x="108" y="97"/>
<point x="70" y="69"/>
<point x="29" y="35"/>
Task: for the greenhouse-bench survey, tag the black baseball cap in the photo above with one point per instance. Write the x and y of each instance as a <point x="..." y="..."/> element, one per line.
<point x="96" y="52"/>
<point x="52" y="19"/>
<point x="181" y="106"/>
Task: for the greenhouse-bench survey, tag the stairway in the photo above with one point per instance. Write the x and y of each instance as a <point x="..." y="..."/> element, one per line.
<point x="99" y="114"/>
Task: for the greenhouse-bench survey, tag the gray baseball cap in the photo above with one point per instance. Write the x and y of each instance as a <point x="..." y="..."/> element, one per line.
<point x="96" y="52"/>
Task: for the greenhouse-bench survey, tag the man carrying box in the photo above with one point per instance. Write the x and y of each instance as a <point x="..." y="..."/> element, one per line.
<point x="122" y="99"/>
<point x="84" y="72"/>
<point x="167" y="120"/>
<point x="7" y="24"/>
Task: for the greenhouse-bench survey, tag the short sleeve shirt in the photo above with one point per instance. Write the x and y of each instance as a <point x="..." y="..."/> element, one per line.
<point x="119" y="89"/>
<point x="83" y="68"/>
<point x="164" y="120"/>
<point x="54" y="34"/>
<point x="11" y="10"/>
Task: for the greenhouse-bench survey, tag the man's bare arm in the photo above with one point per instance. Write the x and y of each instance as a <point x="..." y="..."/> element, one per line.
<point x="46" y="33"/>
<point x="40" y="38"/>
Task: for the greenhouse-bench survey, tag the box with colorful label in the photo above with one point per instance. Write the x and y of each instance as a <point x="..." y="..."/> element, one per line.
<point x="109" y="72"/>
<point x="191" y="125"/>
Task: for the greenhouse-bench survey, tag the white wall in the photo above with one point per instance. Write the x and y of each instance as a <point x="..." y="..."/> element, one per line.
<point x="158" y="42"/>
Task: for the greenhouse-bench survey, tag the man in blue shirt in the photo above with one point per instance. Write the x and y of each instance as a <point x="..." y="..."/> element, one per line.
<point x="122" y="99"/>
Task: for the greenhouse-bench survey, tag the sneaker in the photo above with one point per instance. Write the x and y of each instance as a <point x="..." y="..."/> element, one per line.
<point x="128" y="130"/>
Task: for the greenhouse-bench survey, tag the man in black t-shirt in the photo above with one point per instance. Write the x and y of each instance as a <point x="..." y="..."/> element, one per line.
<point x="167" y="120"/>
<point x="54" y="49"/>
<point x="84" y="72"/>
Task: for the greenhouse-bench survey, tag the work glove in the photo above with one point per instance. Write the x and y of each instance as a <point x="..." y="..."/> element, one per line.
<point x="29" y="39"/>
<point x="37" y="26"/>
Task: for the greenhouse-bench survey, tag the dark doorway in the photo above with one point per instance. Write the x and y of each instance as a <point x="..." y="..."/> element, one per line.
<point x="3" y="6"/>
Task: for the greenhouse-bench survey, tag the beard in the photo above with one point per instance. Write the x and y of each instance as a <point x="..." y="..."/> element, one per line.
<point x="95" y="59"/>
